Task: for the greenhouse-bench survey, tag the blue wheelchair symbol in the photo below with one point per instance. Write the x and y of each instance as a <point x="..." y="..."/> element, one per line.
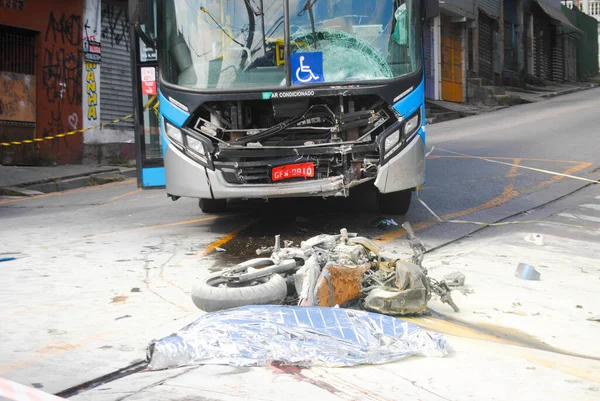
<point x="307" y="68"/>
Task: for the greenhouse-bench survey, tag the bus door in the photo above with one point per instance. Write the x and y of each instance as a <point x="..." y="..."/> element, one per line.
<point x="149" y="155"/>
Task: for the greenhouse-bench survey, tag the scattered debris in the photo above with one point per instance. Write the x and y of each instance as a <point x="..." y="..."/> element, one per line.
<point x="123" y="317"/>
<point x="119" y="299"/>
<point x="535" y="314"/>
<point x="579" y="306"/>
<point x="383" y="223"/>
<point x="527" y="272"/>
<point x="328" y="270"/>
<point x="292" y="335"/>
<point x="594" y="318"/>
<point x="455" y="279"/>
<point x="7" y="259"/>
<point x="516" y="303"/>
<point x="136" y="289"/>
<point x="537" y="239"/>
<point x="218" y="249"/>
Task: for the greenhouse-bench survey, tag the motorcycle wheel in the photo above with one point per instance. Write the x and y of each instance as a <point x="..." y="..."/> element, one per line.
<point x="213" y="295"/>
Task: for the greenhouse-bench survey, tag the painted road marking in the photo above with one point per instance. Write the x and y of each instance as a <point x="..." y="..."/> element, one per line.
<point x="508" y="194"/>
<point x="223" y="240"/>
<point x="114" y="198"/>
<point x="574" y="216"/>
<point x="592" y="206"/>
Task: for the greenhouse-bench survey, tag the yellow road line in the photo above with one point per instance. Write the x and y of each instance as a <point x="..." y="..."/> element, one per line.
<point x="532" y="159"/>
<point x="155" y="227"/>
<point x="223" y="240"/>
<point x="507" y="195"/>
<point x="137" y="191"/>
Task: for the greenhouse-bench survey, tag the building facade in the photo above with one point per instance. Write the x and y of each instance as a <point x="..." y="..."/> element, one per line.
<point x="65" y="67"/>
<point x="589" y="7"/>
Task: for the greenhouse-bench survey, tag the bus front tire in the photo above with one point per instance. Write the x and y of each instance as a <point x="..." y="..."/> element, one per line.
<point x="395" y="202"/>
<point x="210" y="206"/>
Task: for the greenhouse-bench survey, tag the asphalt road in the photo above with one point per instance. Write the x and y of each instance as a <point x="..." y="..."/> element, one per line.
<point x="103" y="270"/>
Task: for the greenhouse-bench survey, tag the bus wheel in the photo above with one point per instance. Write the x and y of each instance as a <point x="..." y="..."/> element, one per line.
<point x="395" y="202"/>
<point x="213" y="205"/>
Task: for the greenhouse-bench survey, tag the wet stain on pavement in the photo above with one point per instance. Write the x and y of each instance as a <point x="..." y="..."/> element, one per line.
<point x="297" y="220"/>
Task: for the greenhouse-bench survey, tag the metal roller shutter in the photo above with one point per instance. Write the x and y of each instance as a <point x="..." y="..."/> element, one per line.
<point x="486" y="47"/>
<point x="116" y="91"/>
<point x="570" y="59"/>
<point x="558" y="58"/>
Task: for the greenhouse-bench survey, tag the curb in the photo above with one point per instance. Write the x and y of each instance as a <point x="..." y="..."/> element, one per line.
<point x="76" y="181"/>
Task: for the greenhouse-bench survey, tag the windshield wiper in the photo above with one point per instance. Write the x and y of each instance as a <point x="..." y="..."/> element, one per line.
<point x="308" y="6"/>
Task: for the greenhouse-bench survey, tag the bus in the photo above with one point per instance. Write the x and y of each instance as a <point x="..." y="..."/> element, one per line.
<point x="284" y="98"/>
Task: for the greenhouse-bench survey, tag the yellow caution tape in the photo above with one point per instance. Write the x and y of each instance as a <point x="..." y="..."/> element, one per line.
<point x="148" y="104"/>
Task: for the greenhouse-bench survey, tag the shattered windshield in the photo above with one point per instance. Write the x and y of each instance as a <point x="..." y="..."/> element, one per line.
<point x="358" y="39"/>
<point x="228" y="44"/>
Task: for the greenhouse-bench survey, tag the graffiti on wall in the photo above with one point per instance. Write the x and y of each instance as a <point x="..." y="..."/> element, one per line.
<point x="14" y="4"/>
<point x="91" y="90"/>
<point x="116" y="33"/>
<point x="62" y="70"/>
<point x="17" y="97"/>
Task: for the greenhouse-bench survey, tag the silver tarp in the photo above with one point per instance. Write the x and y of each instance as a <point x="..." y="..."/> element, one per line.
<point x="300" y="336"/>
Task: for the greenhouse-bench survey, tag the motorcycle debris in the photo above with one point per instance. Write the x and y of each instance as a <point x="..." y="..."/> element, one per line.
<point x="383" y="223"/>
<point x="527" y="272"/>
<point x="537" y="239"/>
<point x="455" y="279"/>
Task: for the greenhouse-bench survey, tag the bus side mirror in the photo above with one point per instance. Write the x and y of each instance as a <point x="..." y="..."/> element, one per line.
<point x="432" y="9"/>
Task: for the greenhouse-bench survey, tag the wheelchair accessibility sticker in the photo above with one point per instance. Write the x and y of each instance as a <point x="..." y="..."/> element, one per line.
<point x="307" y="68"/>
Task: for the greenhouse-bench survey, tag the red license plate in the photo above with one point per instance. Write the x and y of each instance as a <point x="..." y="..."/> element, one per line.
<point x="300" y="170"/>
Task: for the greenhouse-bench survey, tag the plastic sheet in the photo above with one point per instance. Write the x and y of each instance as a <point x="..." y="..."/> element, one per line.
<point x="300" y="336"/>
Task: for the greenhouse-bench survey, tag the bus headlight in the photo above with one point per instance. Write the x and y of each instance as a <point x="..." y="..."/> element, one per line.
<point x="412" y="124"/>
<point x="196" y="147"/>
<point x="174" y="133"/>
<point x="391" y="141"/>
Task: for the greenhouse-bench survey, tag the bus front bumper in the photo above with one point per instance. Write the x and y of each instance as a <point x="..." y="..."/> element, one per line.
<point x="187" y="178"/>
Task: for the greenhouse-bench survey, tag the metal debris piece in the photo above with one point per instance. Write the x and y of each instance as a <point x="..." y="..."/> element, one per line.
<point x="337" y="285"/>
<point x="527" y="272"/>
<point x="218" y="249"/>
<point x="297" y="336"/>
<point x="383" y="223"/>
<point x="330" y="270"/>
<point x="455" y="279"/>
<point x="535" y="238"/>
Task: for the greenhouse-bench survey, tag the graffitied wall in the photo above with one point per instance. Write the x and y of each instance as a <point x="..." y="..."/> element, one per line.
<point x="17" y="97"/>
<point x="59" y="70"/>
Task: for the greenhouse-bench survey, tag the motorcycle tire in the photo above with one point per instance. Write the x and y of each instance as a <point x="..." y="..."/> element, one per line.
<point x="209" y="296"/>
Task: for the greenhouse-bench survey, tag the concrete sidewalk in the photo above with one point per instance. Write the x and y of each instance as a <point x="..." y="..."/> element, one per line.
<point x="27" y="181"/>
<point x="501" y="97"/>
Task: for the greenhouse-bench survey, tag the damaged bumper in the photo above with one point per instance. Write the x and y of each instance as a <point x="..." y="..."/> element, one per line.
<point x="230" y="180"/>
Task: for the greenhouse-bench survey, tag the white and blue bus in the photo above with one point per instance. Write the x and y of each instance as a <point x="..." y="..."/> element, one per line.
<point x="285" y="98"/>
